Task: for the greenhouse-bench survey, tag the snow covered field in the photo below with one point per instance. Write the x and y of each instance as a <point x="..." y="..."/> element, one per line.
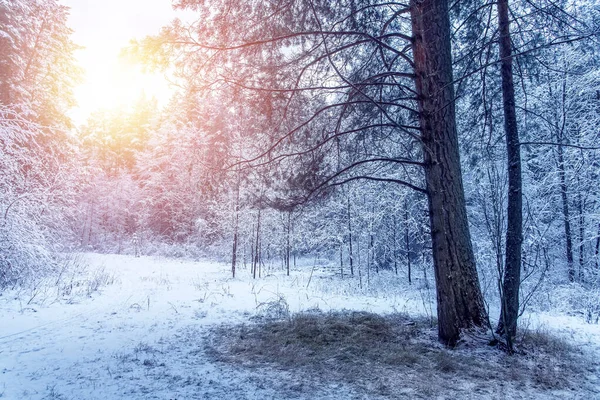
<point x="140" y="336"/>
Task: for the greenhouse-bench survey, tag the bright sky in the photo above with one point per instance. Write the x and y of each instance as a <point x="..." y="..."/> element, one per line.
<point x="104" y="27"/>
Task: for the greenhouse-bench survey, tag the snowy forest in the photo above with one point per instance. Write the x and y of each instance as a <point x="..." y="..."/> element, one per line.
<point x="445" y="153"/>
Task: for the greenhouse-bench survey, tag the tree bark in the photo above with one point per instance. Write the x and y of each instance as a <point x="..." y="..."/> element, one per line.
<point x="566" y="214"/>
<point x="287" y="244"/>
<point x="257" y="247"/>
<point x="580" y="208"/>
<point x="460" y="303"/>
<point x="342" y="260"/>
<point x="597" y="251"/>
<point x="564" y="194"/>
<point x="511" y="279"/>
<point x="407" y="243"/>
<point x="234" y="250"/>
<point x="394" y="242"/>
<point x="351" y="254"/>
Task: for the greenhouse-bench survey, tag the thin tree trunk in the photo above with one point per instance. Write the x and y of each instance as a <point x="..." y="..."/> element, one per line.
<point x="597" y="252"/>
<point x="256" y="247"/>
<point x="358" y="262"/>
<point x="252" y="251"/>
<point x="566" y="214"/>
<point x="259" y="258"/>
<point x="89" y="240"/>
<point x="372" y="241"/>
<point x="407" y="243"/>
<point x="244" y="255"/>
<point x="287" y="244"/>
<point x="368" y="245"/>
<point x="511" y="281"/>
<point x="459" y="298"/>
<point x="234" y="252"/>
<point x="351" y="254"/>
<point x="395" y="247"/>
<point x="560" y="131"/>
<point x="581" y="247"/>
<point x="342" y="260"/>
<point x="235" y="231"/>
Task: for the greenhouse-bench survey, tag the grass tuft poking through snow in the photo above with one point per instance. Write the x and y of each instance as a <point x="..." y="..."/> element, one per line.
<point x="397" y="356"/>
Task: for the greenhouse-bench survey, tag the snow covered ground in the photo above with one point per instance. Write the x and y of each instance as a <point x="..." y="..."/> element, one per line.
<point x="141" y="335"/>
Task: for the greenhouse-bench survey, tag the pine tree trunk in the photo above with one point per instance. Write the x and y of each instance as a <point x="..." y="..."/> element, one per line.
<point x="511" y="280"/>
<point x="459" y="299"/>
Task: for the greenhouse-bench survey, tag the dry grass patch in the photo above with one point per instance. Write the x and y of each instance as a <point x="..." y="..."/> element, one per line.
<point x="394" y="356"/>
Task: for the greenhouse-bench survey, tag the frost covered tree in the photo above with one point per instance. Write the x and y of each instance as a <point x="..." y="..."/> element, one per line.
<point x="37" y="68"/>
<point x="36" y="194"/>
<point x="564" y="108"/>
<point x="37" y="182"/>
<point x="380" y="84"/>
<point x="521" y="65"/>
<point x="327" y="129"/>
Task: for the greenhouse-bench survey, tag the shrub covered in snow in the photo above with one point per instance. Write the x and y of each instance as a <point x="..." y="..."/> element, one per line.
<point x="33" y="192"/>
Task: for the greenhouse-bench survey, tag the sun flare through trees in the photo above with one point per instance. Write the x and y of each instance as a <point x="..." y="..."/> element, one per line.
<point x="450" y="148"/>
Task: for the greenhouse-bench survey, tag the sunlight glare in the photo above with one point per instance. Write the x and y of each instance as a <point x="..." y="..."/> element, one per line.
<point x="109" y="81"/>
<point x="112" y="82"/>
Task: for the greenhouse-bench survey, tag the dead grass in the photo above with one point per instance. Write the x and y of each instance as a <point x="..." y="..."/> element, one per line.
<point x="394" y="356"/>
<point x="554" y="362"/>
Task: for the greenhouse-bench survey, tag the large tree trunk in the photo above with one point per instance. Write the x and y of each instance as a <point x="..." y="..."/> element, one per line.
<point x="511" y="281"/>
<point x="459" y="299"/>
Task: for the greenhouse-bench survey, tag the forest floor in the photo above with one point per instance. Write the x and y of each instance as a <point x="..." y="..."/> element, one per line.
<point x="156" y="328"/>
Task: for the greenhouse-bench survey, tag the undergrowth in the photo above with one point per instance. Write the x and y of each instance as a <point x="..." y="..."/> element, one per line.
<point x="394" y="355"/>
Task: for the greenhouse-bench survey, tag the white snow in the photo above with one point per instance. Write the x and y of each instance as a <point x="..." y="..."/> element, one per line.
<point x="140" y="337"/>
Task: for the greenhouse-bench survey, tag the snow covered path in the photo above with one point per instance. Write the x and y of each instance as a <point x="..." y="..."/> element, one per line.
<point x="153" y="315"/>
<point x="141" y="337"/>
